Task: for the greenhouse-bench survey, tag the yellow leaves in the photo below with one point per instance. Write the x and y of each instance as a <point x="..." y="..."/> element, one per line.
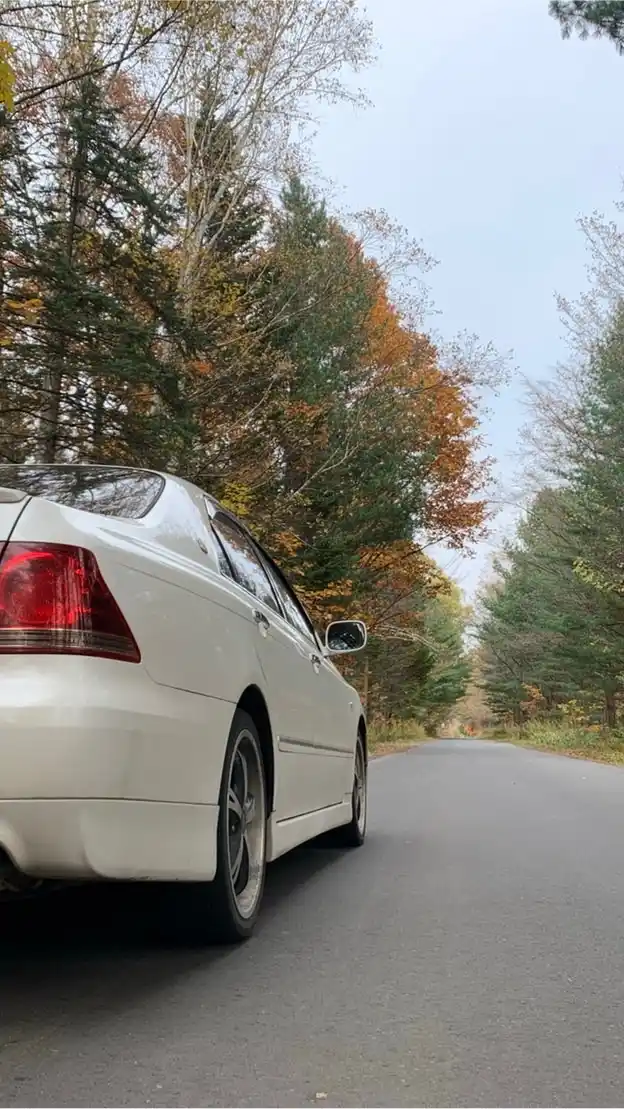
<point x="28" y="307"/>
<point x="7" y="76"/>
<point x="594" y="577"/>
<point x="336" y="589"/>
<point x="211" y="294"/>
<point x="288" y="543"/>
<point x="237" y="498"/>
<point x="578" y="714"/>
<point x="16" y="315"/>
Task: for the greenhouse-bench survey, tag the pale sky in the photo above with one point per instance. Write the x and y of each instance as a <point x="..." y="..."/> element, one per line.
<point x="488" y="138"/>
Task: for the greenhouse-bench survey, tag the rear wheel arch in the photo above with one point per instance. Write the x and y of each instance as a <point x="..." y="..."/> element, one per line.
<point x="253" y="703"/>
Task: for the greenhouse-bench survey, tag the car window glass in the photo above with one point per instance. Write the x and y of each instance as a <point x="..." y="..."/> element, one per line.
<point x="108" y="491"/>
<point x="245" y="561"/>
<point x="225" y="566"/>
<point x="222" y="558"/>
<point x="290" y="604"/>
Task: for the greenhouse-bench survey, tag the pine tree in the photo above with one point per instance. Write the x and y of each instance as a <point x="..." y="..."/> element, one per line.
<point x="19" y="300"/>
<point x="349" y="468"/>
<point x="595" y="18"/>
<point x="543" y="626"/>
<point x="107" y="345"/>
<point x="596" y="463"/>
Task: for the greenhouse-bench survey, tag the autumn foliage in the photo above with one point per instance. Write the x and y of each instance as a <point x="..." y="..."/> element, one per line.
<point x="162" y="306"/>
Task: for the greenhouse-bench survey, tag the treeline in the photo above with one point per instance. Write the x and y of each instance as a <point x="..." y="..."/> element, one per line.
<point x="174" y="294"/>
<point x="552" y="620"/>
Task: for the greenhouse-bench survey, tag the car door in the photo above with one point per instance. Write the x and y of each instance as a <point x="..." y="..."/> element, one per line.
<point x="335" y="723"/>
<point x="289" y="674"/>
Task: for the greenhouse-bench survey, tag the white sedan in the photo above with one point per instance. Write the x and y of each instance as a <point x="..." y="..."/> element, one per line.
<point x="167" y="711"/>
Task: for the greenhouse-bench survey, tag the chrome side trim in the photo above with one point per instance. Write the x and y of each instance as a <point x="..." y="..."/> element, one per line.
<point x="287" y="744"/>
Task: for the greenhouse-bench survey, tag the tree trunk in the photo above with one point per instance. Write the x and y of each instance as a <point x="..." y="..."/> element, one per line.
<point x="610" y="709"/>
<point x="50" y="415"/>
<point x="76" y="50"/>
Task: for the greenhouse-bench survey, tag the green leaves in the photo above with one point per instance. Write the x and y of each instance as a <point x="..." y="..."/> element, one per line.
<point x="555" y="617"/>
<point x="99" y="353"/>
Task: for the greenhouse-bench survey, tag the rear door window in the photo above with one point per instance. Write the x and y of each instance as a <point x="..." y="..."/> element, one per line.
<point x="107" y="491"/>
<point x="294" y="612"/>
<point x="245" y="560"/>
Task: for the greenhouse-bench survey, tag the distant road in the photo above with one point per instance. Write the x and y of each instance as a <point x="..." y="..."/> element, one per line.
<point x="470" y="954"/>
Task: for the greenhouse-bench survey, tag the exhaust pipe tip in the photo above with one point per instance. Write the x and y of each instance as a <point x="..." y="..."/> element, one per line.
<point x="14" y="884"/>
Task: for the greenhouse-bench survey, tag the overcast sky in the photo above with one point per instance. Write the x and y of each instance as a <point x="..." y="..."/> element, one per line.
<point x="488" y="138"/>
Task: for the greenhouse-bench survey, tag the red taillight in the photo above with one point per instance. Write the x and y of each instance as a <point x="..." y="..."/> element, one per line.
<point x="54" y="600"/>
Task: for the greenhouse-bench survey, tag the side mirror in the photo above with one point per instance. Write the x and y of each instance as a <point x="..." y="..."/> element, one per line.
<point x="344" y="636"/>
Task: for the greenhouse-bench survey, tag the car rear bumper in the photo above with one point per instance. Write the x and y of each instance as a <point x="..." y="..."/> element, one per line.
<point x="92" y="728"/>
<point x="105" y="774"/>
<point x="74" y="838"/>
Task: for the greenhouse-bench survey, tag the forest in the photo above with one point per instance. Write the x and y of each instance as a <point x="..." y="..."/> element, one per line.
<point x="177" y="292"/>
<point x="550" y="619"/>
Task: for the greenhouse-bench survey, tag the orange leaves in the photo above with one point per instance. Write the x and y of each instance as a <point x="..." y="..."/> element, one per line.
<point x="389" y="345"/>
<point x="400" y="576"/>
<point x="435" y="412"/>
<point x="287" y="544"/>
<point x="202" y="367"/>
<point x="334" y="602"/>
<point x="398" y="429"/>
<point x="303" y="410"/>
<point x="448" y="422"/>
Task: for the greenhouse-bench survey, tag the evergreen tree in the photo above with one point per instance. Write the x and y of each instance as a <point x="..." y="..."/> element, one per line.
<point x="447" y="680"/>
<point x="350" y="478"/>
<point x="105" y="348"/>
<point x="20" y="395"/>
<point x="595" y="464"/>
<point x="543" y="628"/>
<point x="595" y="18"/>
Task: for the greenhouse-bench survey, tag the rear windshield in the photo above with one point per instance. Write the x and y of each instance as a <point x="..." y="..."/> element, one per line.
<point x="109" y="492"/>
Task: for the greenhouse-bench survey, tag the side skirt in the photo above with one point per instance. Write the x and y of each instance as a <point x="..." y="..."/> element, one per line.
<point x="286" y="834"/>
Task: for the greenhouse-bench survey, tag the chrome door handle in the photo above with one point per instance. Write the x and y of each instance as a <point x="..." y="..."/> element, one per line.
<point x="261" y="620"/>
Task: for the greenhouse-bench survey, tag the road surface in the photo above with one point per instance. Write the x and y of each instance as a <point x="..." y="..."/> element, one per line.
<point x="471" y="954"/>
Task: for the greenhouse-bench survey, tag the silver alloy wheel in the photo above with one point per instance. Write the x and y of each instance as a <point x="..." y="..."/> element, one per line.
<point x="359" y="788"/>
<point x="246" y="823"/>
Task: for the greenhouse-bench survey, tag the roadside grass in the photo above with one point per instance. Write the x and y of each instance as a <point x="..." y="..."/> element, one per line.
<point x="598" y="744"/>
<point x="389" y="737"/>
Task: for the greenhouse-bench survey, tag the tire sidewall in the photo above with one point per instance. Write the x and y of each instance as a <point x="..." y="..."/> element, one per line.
<point x="244" y="924"/>
<point x="361" y="833"/>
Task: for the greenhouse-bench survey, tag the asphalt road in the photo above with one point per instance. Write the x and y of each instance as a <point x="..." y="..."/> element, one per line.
<point x="471" y="954"/>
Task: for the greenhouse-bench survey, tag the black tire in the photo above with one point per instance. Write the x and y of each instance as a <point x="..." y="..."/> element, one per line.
<point x="218" y="912"/>
<point x="353" y="834"/>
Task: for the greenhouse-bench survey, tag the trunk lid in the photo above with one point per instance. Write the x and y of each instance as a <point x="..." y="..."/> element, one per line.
<point x="12" y="504"/>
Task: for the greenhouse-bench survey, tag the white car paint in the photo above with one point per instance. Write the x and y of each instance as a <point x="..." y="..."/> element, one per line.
<point x="112" y="770"/>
